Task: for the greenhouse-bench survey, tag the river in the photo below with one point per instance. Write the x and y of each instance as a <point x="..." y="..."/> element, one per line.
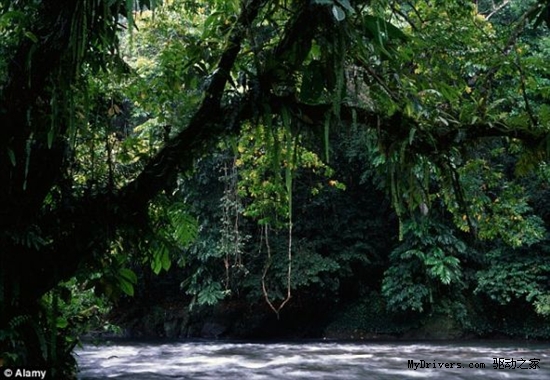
<point x="314" y="360"/>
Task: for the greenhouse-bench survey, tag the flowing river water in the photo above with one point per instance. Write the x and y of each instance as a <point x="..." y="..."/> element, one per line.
<point x="314" y="360"/>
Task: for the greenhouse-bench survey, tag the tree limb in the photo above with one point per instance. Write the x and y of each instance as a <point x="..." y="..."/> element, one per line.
<point x="177" y="154"/>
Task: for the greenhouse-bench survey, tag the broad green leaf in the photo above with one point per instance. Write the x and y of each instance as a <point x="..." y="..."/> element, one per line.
<point x="31" y="36"/>
<point x="166" y="262"/>
<point x="126" y="287"/>
<point x="411" y="135"/>
<point x="130" y="13"/>
<point x="128" y="275"/>
<point x="156" y="265"/>
<point x="11" y="155"/>
<point x="157" y="260"/>
<point x="61" y="323"/>
<point x="376" y="25"/>
<point x="338" y="13"/>
<point x="51" y="134"/>
<point x="211" y="294"/>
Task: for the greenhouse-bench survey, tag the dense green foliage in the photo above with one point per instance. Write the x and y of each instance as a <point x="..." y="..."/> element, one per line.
<point x="277" y="153"/>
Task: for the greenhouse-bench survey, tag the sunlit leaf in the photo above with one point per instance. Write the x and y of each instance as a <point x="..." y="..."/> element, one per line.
<point x="338" y="13"/>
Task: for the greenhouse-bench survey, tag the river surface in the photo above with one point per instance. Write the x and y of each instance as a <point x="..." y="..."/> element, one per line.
<point x="314" y="360"/>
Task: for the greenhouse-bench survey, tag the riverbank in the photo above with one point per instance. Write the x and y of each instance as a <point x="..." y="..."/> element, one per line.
<point x="359" y="320"/>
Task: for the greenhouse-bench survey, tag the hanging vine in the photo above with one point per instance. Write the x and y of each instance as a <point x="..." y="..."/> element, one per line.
<point x="232" y="209"/>
<point x="289" y="164"/>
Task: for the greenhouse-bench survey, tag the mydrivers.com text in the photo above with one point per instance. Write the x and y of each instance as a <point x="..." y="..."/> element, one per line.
<point x="498" y="363"/>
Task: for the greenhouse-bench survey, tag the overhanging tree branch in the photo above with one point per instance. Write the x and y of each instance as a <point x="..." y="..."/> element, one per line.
<point x="106" y="212"/>
<point x="204" y="126"/>
<point x="88" y="226"/>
